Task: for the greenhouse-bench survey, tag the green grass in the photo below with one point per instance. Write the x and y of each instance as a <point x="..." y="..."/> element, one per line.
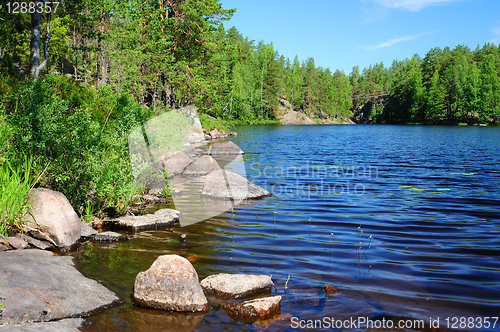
<point x="15" y="184"/>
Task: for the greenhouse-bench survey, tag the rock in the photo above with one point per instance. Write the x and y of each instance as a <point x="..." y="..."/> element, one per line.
<point x="214" y="134"/>
<point x="87" y="231"/>
<point x="17" y="243"/>
<point x="224" y="148"/>
<point x="295" y="118"/>
<point x="162" y="218"/>
<point x="201" y="166"/>
<point x="41" y="286"/>
<point x="171" y="283"/>
<point x="63" y="325"/>
<point x="152" y="199"/>
<point x="331" y="290"/>
<point x="109" y="237"/>
<point x="193" y="152"/>
<point x="207" y="136"/>
<point x="194" y="137"/>
<point x="176" y="164"/>
<point x="215" y="185"/>
<point x="251" y="311"/>
<point x="233" y="133"/>
<point x="36" y="243"/>
<point x="236" y="285"/>
<point x="55" y="217"/>
<point x="3" y="248"/>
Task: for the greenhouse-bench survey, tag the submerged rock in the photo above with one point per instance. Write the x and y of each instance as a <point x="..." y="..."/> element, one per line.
<point x="171" y="283"/>
<point x="236" y="285"/>
<point x="163" y="218"/>
<point x="201" y="166"/>
<point x="251" y="311"/>
<point x="224" y="148"/>
<point x="63" y="325"/>
<point x="53" y="218"/>
<point x="226" y="184"/>
<point x="41" y="286"/>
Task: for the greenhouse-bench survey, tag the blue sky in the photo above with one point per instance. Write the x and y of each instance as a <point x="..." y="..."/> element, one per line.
<point x="340" y="34"/>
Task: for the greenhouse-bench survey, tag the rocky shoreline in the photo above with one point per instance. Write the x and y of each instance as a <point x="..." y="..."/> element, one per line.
<point x="43" y="291"/>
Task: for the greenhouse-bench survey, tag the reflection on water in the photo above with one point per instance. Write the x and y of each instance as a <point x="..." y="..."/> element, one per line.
<point x="432" y="209"/>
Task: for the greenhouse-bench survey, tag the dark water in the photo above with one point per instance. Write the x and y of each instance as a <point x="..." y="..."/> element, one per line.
<point x="428" y="196"/>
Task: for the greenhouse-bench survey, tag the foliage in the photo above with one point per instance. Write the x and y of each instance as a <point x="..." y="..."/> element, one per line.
<point x="209" y="123"/>
<point x="15" y="183"/>
<point x="87" y="150"/>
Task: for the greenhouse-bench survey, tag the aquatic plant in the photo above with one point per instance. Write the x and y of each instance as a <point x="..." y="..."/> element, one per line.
<point x="360" y="232"/>
<point x="369" y="244"/>
<point x="286" y="283"/>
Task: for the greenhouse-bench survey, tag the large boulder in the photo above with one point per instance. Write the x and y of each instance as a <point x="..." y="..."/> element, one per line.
<point x="226" y="184"/>
<point x="44" y="287"/>
<point x="171" y="283"/>
<point x="236" y="285"/>
<point x="177" y="163"/>
<point x="201" y="166"/>
<point x="251" y="311"/>
<point x="224" y="148"/>
<point x="53" y="216"/>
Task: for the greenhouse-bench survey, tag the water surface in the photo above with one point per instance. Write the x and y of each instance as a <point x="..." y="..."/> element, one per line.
<point x="427" y="195"/>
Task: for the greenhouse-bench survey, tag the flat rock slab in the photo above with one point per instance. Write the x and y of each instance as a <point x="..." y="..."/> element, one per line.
<point x="251" y="311"/>
<point x="110" y="237"/>
<point x="87" y="230"/>
<point x="63" y="325"/>
<point x="36" y="243"/>
<point x="41" y="286"/>
<point x="163" y="218"/>
<point x="236" y="285"/>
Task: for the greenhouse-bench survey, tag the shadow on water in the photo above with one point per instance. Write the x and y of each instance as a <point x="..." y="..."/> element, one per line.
<point x="432" y="209"/>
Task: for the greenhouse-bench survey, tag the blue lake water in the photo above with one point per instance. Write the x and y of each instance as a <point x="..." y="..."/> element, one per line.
<point x="429" y="197"/>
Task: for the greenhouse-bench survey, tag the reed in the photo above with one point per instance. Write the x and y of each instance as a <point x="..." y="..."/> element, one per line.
<point x="15" y="184"/>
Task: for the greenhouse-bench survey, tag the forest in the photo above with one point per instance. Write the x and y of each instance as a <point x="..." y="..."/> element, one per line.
<point x="74" y="82"/>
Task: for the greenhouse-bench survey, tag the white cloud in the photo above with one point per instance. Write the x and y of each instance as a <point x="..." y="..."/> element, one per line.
<point x="413" y="5"/>
<point x="393" y="41"/>
<point x="496" y="31"/>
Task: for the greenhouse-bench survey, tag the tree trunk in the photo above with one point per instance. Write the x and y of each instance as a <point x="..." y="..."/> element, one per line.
<point x="36" y="22"/>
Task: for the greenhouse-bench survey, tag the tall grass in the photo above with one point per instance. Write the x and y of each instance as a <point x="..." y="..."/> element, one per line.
<point x="15" y="183"/>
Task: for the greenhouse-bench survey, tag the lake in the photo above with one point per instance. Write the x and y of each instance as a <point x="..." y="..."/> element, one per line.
<point x="403" y="220"/>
